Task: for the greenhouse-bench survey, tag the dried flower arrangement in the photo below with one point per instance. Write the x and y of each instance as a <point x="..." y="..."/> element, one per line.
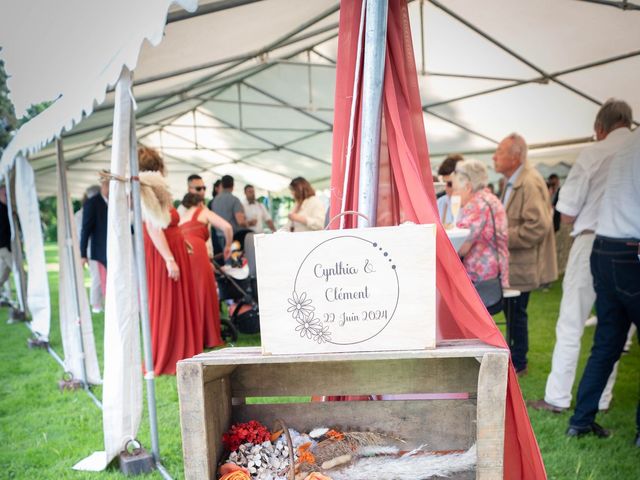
<point x="329" y="454"/>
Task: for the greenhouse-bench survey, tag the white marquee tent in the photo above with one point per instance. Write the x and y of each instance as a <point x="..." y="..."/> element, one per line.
<point x="246" y="87"/>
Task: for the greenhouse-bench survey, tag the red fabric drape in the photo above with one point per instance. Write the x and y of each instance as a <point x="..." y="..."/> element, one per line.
<point x="406" y="194"/>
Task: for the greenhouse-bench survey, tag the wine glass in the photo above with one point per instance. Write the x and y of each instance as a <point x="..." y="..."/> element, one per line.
<point x="455" y="207"/>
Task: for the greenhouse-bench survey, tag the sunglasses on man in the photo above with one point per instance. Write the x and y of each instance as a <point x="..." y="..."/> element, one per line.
<point x="199" y="189"/>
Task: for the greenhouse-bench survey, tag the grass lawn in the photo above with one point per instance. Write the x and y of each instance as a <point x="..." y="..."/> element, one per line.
<point x="44" y="432"/>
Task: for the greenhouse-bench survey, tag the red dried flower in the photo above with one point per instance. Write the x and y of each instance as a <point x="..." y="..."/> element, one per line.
<point x="250" y="432"/>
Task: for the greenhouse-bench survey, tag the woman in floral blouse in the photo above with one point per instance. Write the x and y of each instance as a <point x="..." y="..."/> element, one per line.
<point x="485" y="256"/>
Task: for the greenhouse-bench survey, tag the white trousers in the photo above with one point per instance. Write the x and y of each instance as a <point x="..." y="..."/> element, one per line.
<point x="578" y="297"/>
<point x="95" y="292"/>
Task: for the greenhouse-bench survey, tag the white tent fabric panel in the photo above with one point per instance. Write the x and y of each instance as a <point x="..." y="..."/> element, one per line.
<point x="28" y="209"/>
<point x="574" y="33"/>
<point x="611" y="80"/>
<point x="290" y="165"/>
<point x="72" y="313"/>
<point x="210" y="64"/>
<point x="444" y="137"/>
<point x="122" y="391"/>
<point x="545" y="120"/>
<point x="451" y="47"/>
<point x="227" y="34"/>
<point x="80" y="61"/>
<point x="435" y="89"/>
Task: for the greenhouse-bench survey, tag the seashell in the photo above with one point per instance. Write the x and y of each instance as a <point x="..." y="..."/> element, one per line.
<point x="252" y="470"/>
<point x="318" y="432"/>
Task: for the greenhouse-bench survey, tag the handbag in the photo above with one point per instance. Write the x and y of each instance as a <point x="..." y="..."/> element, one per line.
<point x="490" y="290"/>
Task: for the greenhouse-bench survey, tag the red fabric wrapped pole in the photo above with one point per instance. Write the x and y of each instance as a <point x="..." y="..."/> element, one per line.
<point x="406" y="194"/>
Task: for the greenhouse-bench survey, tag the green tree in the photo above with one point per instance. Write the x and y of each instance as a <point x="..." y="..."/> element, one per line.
<point x="8" y="121"/>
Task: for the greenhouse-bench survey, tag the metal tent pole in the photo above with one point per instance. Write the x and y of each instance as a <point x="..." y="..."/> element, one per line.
<point x="375" y="39"/>
<point x="141" y="268"/>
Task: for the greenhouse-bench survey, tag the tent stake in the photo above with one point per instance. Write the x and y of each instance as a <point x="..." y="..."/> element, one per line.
<point x="372" y="82"/>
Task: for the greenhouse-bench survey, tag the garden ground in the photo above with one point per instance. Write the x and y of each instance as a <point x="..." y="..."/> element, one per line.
<point x="44" y="432"/>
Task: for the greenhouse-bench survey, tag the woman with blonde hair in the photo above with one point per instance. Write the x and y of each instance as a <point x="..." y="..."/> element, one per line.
<point x="309" y="211"/>
<point x="485" y="252"/>
<point x="174" y="311"/>
<point x="195" y="221"/>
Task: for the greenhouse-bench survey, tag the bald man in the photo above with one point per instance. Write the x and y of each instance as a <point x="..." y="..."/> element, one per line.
<point x="532" y="247"/>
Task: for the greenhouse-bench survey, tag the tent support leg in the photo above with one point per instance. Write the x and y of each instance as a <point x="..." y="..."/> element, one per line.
<point x="375" y="38"/>
<point x="141" y="268"/>
<point x="68" y="236"/>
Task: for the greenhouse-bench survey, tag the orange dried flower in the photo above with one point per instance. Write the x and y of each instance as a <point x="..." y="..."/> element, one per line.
<point x="304" y="447"/>
<point x="335" y="435"/>
<point x="276" y="435"/>
<point x="304" y="455"/>
<point x="237" y="475"/>
<point x="316" y="476"/>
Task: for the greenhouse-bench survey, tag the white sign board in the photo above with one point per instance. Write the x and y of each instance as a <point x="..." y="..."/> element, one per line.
<point x="358" y="290"/>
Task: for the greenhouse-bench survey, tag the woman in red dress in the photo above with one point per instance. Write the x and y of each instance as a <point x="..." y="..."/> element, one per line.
<point x="195" y="222"/>
<point x="173" y="307"/>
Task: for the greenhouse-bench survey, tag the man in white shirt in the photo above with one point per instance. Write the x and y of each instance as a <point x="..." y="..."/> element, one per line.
<point x="255" y="212"/>
<point x="579" y="203"/>
<point x="615" y="265"/>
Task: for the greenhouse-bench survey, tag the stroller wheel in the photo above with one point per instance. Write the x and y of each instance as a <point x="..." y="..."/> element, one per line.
<point x="228" y="331"/>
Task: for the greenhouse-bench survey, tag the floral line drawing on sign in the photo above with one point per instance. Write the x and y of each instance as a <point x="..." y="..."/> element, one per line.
<point x="309" y="326"/>
<point x="355" y="298"/>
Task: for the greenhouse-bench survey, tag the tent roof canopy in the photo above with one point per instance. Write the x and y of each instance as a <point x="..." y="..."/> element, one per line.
<point x="246" y="87"/>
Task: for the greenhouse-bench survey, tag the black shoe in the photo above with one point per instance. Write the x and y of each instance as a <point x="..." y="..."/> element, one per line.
<point x="597" y="430"/>
<point x="637" y="442"/>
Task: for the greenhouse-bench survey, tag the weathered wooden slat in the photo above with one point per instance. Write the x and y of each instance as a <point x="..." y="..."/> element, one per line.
<point x="492" y="383"/>
<point x="218" y="417"/>
<point x="197" y="450"/>
<point x="440" y="375"/>
<point x="246" y="355"/>
<point x="442" y="424"/>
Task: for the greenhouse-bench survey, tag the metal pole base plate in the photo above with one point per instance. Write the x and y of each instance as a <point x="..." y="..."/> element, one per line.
<point x="16" y="316"/>
<point x="36" y="343"/>
<point x="138" y="462"/>
<point x="69" y="385"/>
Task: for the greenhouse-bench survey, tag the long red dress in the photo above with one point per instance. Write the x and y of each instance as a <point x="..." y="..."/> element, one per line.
<point x="173" y="306"/>
<point x="197" y="234"/>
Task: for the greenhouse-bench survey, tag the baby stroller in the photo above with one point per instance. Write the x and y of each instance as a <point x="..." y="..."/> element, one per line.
<point x="237" y="287"/>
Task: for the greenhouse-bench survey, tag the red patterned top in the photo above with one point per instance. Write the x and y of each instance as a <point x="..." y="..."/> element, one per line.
<point x="481" y="262"/>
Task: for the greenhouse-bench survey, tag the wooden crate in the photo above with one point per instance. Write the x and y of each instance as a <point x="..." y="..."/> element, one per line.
<point x="213" y="388"/>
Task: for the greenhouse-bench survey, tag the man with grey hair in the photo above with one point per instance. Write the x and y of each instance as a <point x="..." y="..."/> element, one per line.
<point x="615" y="265"/>
<point x="532" y="249"/>
<point x="579" y="202"/>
